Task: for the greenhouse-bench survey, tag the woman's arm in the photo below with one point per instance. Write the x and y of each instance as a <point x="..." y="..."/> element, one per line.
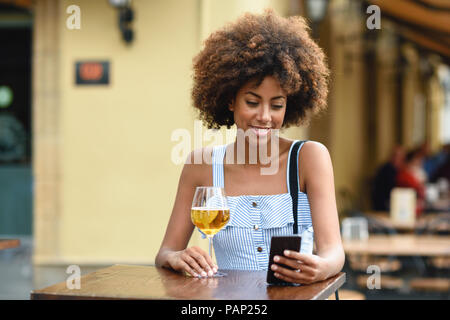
<point x="316" y="167"/>
<point x="173" y="252"/>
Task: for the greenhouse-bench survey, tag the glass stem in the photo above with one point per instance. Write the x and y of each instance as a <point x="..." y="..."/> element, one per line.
<point x="210" y="240"/>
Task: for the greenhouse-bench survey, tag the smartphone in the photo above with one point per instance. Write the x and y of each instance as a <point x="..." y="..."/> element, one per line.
<point x="277" y="247"/>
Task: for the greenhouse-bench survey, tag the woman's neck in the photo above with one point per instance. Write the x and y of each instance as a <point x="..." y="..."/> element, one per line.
<point x="264" y="156"/>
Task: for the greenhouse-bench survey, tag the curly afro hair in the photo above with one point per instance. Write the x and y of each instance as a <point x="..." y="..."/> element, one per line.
<point x="251" y="48"/>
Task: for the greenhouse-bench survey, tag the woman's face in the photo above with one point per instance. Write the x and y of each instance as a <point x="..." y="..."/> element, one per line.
<point x="260" y="109"/>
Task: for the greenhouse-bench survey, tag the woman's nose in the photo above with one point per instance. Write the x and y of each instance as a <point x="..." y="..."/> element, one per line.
<point x="264" y="114"/>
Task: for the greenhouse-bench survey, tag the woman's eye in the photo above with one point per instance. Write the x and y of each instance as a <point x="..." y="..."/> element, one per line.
<point x="252" y="103"/>
<point x="278" y="106"/>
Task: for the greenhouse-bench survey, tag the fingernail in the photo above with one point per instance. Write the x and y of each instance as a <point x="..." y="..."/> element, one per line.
<point x="215" y="269"/>
<point x="195" y="275"/>
<point x="287" y="252"/>
<point x="276" y="258"/>
<point x="203" y="273"/>
<point x="210" y="273"/>
<point x="274" y="267"/>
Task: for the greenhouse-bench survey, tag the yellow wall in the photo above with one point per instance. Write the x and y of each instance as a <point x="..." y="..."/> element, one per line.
<point x="387" y="94"/>
<point x="117" y="180"/>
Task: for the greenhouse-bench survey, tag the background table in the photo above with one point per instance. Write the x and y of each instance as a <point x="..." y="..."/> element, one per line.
<point x="9" y="243"/>
<point x="385" y="218"/>
<point x="400" y="245"/>
<point x="149" y="282"/>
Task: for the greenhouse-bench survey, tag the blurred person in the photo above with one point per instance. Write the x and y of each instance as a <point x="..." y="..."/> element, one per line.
<point x="422" y="152"/>
<point x="385" y="180"/>
<point x="442" y="165"/>
<point x="442" y="178"/>
<point x="433" y="162"/>
<point x="262" y="72"/>
<point x="410" y="175"/>
<point x="443" y="171"/>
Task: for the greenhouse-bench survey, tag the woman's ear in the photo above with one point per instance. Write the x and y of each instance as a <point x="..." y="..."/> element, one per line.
<point x="231" y="106"/>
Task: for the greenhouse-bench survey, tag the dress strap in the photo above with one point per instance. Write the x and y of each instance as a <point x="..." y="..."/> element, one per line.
<point x="293" y="183"/>
<point x="218" y="154"/>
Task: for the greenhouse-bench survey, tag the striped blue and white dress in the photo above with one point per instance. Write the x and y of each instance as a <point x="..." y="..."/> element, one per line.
<point x="244" y="243"/>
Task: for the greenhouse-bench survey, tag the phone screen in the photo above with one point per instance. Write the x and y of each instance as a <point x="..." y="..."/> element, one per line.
<point x="277" y="247"/>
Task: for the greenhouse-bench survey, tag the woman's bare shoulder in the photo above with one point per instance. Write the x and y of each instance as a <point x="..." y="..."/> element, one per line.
<point x="314" y="158"/>
<point x="315" y="147"/>
<point x="198" y="166"/>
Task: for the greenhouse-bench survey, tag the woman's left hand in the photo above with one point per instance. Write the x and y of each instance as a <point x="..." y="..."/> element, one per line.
<point x="307" y="268"/>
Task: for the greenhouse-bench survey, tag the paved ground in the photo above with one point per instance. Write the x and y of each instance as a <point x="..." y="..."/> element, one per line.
<point x="18" y="276"/>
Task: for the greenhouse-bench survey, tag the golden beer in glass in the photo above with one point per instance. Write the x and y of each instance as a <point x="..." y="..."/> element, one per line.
<point x="210" y="213"/>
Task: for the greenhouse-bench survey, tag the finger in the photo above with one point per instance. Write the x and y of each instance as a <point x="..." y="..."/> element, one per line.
<point x="188" y="269"/>
<point x="194" y="265"/>
<point x="295" y="264"/>
<point x="285" y="278"/>
<point x="206" y="256"/>
<point x="308" y="259"/>
<point x="207" y="259"/>
<point x="292" y="280"/>
<point x="300" y="277"/>
<point x="287" y="262"/>
<point x="202" y="261"/>
<point x="306" y="269"/>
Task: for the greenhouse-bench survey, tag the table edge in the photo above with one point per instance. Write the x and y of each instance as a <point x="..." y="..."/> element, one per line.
<point x="337" y="283"/>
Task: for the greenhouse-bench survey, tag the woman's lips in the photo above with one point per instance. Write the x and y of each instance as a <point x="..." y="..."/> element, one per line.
<point x="260" y="132"/>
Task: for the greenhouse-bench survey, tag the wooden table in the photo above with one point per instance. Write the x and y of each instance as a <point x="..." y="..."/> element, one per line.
<point x="400" y="245"/>
<point x="385" y="218"/>
<point x="9" y="243"/>
<point x="149" y="282"/>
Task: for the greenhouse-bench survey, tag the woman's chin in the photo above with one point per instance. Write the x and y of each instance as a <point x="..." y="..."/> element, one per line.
<point x="258" y="140"/>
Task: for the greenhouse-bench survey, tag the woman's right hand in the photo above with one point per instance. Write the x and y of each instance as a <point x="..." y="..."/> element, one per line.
<point x="194" y="260"/>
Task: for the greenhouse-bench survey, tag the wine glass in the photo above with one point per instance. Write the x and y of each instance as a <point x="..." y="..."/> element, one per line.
<point x="210" y="213"/>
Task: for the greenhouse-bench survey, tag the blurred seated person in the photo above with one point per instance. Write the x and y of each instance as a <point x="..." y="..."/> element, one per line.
<point x="385" y="180"/>
<point x="411" y="175"/>
<point x="435" y="162"/>
<point x="443" y="167"/>
<point x="443" y="173"/>
<point x="423" y="153"/>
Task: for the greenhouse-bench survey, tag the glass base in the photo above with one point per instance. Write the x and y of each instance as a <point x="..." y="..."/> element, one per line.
<point x="218" y="274"/>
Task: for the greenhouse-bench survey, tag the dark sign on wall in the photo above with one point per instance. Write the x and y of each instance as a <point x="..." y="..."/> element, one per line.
<point x="92" y="72"/>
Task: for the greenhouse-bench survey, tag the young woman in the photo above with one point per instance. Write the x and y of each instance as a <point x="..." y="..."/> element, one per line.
<point x="261" y="73"/>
